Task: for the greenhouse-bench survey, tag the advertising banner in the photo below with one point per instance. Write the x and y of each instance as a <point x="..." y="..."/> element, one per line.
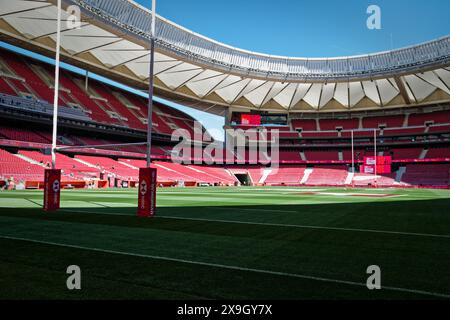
<point x="147" y="192"/>
<point x="52" y="189"/>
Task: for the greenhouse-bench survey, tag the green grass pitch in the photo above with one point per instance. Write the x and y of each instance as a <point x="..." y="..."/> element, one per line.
<point x="228" y="243"/>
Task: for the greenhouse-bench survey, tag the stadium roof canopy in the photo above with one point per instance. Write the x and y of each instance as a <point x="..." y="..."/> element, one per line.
<point x="113" y="41"/>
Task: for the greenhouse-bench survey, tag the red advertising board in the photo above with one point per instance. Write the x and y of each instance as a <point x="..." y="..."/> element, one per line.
<point x="381" y="160"/>
<point x="52" y="189"/>
<point x="383" y="164"/>
<point x="368" y="169"/>
<point x="147" y="192"/>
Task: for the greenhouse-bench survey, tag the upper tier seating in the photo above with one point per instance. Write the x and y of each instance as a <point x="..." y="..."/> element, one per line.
<point x="346" y="124"/>
<point x="439" y="129"/>
<point x="392" y="125"/>
<point x="23" y="134"/>
<point x="6" y="88"/>
<point x="347" y="154"/>
<point x="289" y="156"/>
<point x="388" y="121"/>
<point x="23" y="69"/>
<point x="305" y="125"/>
<point x="100" y="102"/>
<point x="434" y="153"/>
<point x="321" y="155"/>
<point x="403" y="131"/>
<point x="417" y="119"/>
<point x="319" y="134"/>
<point x="408" y="153"/>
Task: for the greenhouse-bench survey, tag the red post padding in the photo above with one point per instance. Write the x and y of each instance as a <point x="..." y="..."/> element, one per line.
<point x="52" y="189"/>
<point x="147" y="192"/>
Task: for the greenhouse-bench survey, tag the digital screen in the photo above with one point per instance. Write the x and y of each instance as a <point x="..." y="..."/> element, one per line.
<point x="250" y="119"/>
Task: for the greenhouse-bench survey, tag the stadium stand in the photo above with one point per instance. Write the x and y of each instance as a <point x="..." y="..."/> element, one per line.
<point x="322" y="155"/>
<point x="17" y="169"/>
<point x="285" y="176"/>
<point x="327" y="176"/>
<point x="386" y="121"/>
<point x="305" y="125"/>
<point x="436" y="153"/>
<point x="427" y="174"/>
<point x="100" y="102"/>
<point x="420" y="119"/>
<point x="23" y="135"/>
<point x="368" y="180"/>
<point x="319" y="145"/>
<point x="70" y="168"/>
<point x="409" y="153"/>
<point x="333" y="124"/>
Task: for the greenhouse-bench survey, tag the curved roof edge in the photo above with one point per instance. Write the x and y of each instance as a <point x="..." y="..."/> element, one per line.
<point x="199" y="49"/>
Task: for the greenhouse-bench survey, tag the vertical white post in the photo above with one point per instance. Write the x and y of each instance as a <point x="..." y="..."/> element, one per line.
<point x="150" y="87"/>
<point x="353" y="155"/>
<point x="56" y="96"/>
<point x="86" y="82"/>
<point x="375" y="148"/>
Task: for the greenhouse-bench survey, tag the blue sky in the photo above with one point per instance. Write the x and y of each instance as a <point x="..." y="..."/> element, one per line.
<point x="306" y="28"/>
<point x="310" y="28"/>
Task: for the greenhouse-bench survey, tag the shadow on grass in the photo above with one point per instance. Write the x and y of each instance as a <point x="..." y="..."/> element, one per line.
<point x="415" y="216"/>
<point x="36" y="270"/>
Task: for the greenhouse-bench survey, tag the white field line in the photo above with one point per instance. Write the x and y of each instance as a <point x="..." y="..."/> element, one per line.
<point x="310" y="227"/>
<point x="257" y="210"/>
<point x="237" y="268"/>
<point x="430" y="235"/>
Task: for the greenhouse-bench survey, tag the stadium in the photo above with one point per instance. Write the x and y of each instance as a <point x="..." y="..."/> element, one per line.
<point x="358" y="172"/>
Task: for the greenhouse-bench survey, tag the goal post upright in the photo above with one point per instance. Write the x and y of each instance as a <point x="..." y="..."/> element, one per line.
<point x="353" y="154"/>
<point x="375" y="150"/>
<point x="56" y="86"/>
<point x="151" y="84"/>
<point x="147" y="175"/>
<point x="52" y="181"/>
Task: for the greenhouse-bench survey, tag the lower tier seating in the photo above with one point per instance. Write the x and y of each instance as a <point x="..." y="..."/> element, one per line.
<point x="328" y="175"/>
<point x="286" y="176"/>
<point x="30" y="166"/>
<point x="427" y="174"/>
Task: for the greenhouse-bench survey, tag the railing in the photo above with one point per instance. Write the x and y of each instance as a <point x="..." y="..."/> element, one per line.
<point x="135" y="20"/>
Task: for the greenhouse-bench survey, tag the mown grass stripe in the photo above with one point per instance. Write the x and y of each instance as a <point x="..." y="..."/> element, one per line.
<point x="268" y="224"/>
<point x="228" y="267"/>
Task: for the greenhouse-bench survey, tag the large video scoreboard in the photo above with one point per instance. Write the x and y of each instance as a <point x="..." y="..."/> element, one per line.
<point x="259" y="119"/>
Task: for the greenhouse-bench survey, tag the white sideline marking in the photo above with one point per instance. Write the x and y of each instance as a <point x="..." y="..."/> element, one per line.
<point x="299" y="226"/>
<point x="309" y="227"/>
<point x="222" y="266"/>
<point x="258" y="210"/>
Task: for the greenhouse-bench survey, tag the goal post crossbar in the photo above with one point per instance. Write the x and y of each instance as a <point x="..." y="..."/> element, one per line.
<point x="100" y="146"/>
